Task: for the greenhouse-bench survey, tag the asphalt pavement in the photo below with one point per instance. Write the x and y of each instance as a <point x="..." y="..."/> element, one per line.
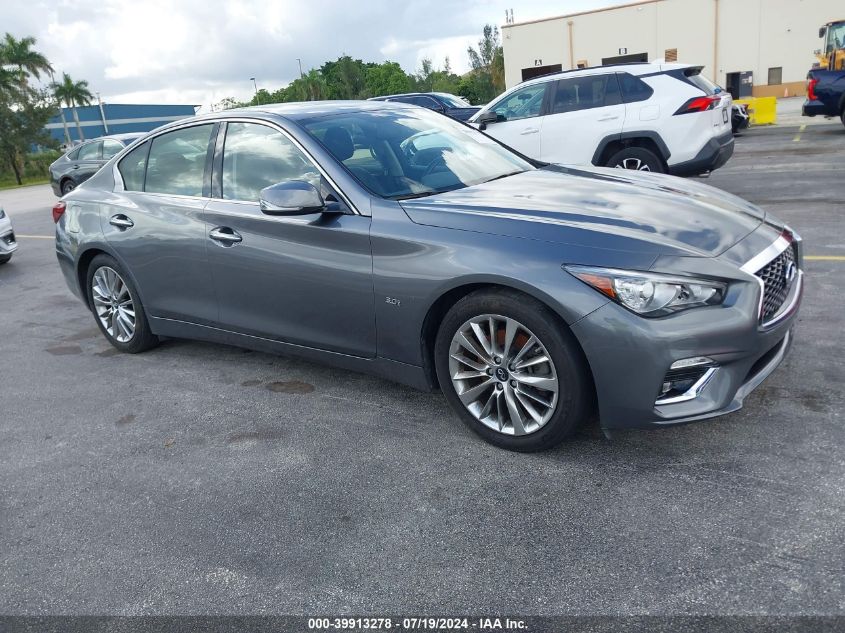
<point x="200" y="478"/>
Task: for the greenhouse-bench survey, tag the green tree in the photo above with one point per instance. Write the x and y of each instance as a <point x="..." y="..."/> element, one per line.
<point x="386" y="79"/>
<point x="73" y="93"/>
<point x="488" y="64"/>
<point x="345" y="78"/>
<point x="23" y="116"/>
<point x="19" y="54"/>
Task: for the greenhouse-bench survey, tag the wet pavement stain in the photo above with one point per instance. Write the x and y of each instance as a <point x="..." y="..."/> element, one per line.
<point x="129" y="418"/>
<point x="64" y="350"/>
<point x="106" y="353"/>
<point x="253" y="436"/>
<point x="250" y="383"/>
<point x="82" y="335"/>
<point x="290" y="386"/>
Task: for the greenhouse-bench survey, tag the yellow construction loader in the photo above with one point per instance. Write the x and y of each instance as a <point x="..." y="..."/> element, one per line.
<point x="832" y="55"/>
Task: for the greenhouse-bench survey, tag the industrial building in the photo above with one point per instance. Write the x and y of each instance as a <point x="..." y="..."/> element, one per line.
<point x="754" y="48"/>
<point x="116" y="118"/>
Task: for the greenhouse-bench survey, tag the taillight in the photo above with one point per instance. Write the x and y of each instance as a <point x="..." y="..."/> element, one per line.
<point x="811" y="89"/>
<point x="58" y="211"/>
<point x="699" y="104"/>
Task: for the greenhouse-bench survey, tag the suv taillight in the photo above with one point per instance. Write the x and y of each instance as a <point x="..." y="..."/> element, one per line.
<point x="699" y="104"/>
<point x="811" y="89"/>
<point x="58" y="211"/>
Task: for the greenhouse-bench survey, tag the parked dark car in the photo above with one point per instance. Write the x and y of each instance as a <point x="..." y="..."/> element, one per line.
<point x="740" y="119"/>
<point x="430" y="254"/>
<point x="825" y="94"/>
<point x="85" y="159"/>
<point x="443" y="102"/>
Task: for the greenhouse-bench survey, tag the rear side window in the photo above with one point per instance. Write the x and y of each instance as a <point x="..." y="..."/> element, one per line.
<point x="111" y="148"/>
<point x="523" y="103"/>
<point x="634" y="88"/>
<point x="256" y="156"/>
<point x="90" y="151"/>
<point x="132" y="167"/>
<point x="584" y="93"/>
<point x="176" y="164"/>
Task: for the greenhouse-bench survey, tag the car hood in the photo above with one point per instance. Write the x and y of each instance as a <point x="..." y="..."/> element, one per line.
<point x="600" y="208"/>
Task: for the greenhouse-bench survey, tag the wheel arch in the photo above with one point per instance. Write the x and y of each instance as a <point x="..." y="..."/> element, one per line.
<point x="83" y="263"/>
<point x="646" y="139"/>
<point x="449" y="297"/>
<point x="64" y="179"/>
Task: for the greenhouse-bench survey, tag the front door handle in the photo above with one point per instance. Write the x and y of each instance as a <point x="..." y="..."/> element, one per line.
<point x="225" y="236"/>
<point x="530" y="130"/>
<point x="609" y="118"/>
<point x="76" y="166"/>
<point x="121" y="222"/>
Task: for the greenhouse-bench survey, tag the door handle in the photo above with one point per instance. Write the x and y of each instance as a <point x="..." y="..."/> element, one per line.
<point x="609" y="118"/>
<point x="225" y="236"/>
<point x="121" y="222"/>
<point x="530" y="130"/>
<point x="76" y="166"/>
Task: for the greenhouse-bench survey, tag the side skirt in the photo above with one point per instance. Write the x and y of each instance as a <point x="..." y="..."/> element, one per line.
<point x="405" y="374"/>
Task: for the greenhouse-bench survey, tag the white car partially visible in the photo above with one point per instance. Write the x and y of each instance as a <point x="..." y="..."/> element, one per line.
<point x="8" y="243"/>
<point x="659" y="117"/>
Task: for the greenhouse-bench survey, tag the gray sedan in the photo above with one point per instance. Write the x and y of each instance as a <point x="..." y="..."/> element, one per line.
<point x="82" y="161"/>
<point x="389" y="239"/>
<point x="8" y="243"/>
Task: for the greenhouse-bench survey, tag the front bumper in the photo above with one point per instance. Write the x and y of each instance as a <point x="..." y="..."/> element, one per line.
<point x="629" y="356"/>
<point x="8" y="241"/>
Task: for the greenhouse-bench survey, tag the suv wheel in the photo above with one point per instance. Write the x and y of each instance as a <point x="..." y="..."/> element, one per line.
<point x="511" y="371"/>
<point x="637" y="159"/>
<point x="117" y="308"/>
<point x="67" y="187"/>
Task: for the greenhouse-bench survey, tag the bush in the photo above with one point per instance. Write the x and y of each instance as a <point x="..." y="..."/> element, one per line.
<point x="35" y="168"/>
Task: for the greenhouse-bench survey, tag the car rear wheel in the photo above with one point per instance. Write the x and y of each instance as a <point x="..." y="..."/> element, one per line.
<point x="117" y="308"/>
<point x="637" y="159"/>
<point x="512" y="371"/>
<point x="4" y="259"/>
<point x="68" y="186"/>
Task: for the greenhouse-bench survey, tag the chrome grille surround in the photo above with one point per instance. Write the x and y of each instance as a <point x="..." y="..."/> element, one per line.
<point x="777" y="271"/>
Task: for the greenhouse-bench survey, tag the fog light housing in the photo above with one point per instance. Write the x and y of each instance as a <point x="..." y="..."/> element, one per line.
<point x="686" y="379"/>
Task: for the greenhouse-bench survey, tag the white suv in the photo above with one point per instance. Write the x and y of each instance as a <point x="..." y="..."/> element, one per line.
<point x="660" y="117"/>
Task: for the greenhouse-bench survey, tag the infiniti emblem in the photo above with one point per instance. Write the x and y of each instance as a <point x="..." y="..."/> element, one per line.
<point x="790" y="272"/>
<point x="501" y="374"/>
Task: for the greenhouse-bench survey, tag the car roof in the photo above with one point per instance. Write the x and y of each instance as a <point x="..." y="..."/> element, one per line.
<point x="634" y="68"/>
<point x="307" y="109"/>
<point x="406" y="94"/>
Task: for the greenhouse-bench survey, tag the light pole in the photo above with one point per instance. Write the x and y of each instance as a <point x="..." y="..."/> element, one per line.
<point x="102" y="114"/>
<point x="299" y="61"/>
<point x="257" y="98"/>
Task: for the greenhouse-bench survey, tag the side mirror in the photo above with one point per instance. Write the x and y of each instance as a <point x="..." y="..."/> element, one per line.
<point x="487" y="118"/>
<point x="822" y="31"/>
<point x="294" y="197"/>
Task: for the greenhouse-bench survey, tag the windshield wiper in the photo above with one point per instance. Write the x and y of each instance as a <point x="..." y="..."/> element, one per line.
<point x="411" y="196"/>
<point x="512" y="173"/>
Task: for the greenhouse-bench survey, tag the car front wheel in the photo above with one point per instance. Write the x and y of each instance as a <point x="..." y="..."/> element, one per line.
<point x="117" y="308"/>
<point x="512" y="371"/>
<point x="5" y="259"/>
<point x="637" y="159"/>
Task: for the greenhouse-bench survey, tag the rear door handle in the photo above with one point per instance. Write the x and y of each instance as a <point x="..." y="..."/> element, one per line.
<point x="225" y="236"/>
<point x="609" y="118"/>
<point x="121" y="222"/>
<point x="76" y="166"/>
<point x="530" y="130"/>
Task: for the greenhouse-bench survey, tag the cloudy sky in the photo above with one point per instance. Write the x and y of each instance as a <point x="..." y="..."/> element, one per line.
<point x="200" y="51"/>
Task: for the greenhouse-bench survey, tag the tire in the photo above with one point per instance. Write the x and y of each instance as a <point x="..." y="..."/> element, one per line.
<point x="68" y="186"/>
<point x="490" y="395"/>
<point x="108" y="287"/>
<point x="638" y="159"/>
<point x="4" y="259"/>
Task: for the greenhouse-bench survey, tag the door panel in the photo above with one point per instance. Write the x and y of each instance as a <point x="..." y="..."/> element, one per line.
<point x="87" y="163"/>
<point x="306" y="280"/>
<point x="582" y="112"/>
<point x="520" y="121"/>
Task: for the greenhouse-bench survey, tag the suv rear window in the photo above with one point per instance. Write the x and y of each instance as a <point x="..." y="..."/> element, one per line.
<point x="634" y="88"/>
<point x="698" y="80"/>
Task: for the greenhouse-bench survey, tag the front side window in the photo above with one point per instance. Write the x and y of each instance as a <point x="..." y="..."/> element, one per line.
<point x="111" y="148"/>
<point x="257" y="156"/>
<point x="74" y="155"/>
<point x="522" y="104"/>
<point x="90" y="151"/>
<point x="132" y="168"/>
<point x="583" y="93"/>
<point x="412" y="153"/>
<point x="176" y="163"/>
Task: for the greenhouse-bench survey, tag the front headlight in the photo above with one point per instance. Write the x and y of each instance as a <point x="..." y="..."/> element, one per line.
<point x="650" y="294"/>
<point x="2" y="213"/>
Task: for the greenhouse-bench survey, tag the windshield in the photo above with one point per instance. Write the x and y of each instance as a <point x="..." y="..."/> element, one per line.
<point x="409" y="153"/>
<point x="452" y="101"/>
<point x="835" y="37"/>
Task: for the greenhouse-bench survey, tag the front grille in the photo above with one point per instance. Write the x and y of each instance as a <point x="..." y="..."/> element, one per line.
<point x="777" y="276"/>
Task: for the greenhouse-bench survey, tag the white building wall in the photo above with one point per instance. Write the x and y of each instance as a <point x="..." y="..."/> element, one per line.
<point x="752" y="35"/>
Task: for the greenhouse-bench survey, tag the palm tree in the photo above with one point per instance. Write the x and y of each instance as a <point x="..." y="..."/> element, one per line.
<point x="73" y="93"/>
<point x="19" y="53"/>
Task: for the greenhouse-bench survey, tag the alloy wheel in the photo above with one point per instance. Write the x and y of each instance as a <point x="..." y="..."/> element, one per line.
<point x="633" y="163"/>
<point x="113" y="304"/>
<point x="503" y="374"/>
